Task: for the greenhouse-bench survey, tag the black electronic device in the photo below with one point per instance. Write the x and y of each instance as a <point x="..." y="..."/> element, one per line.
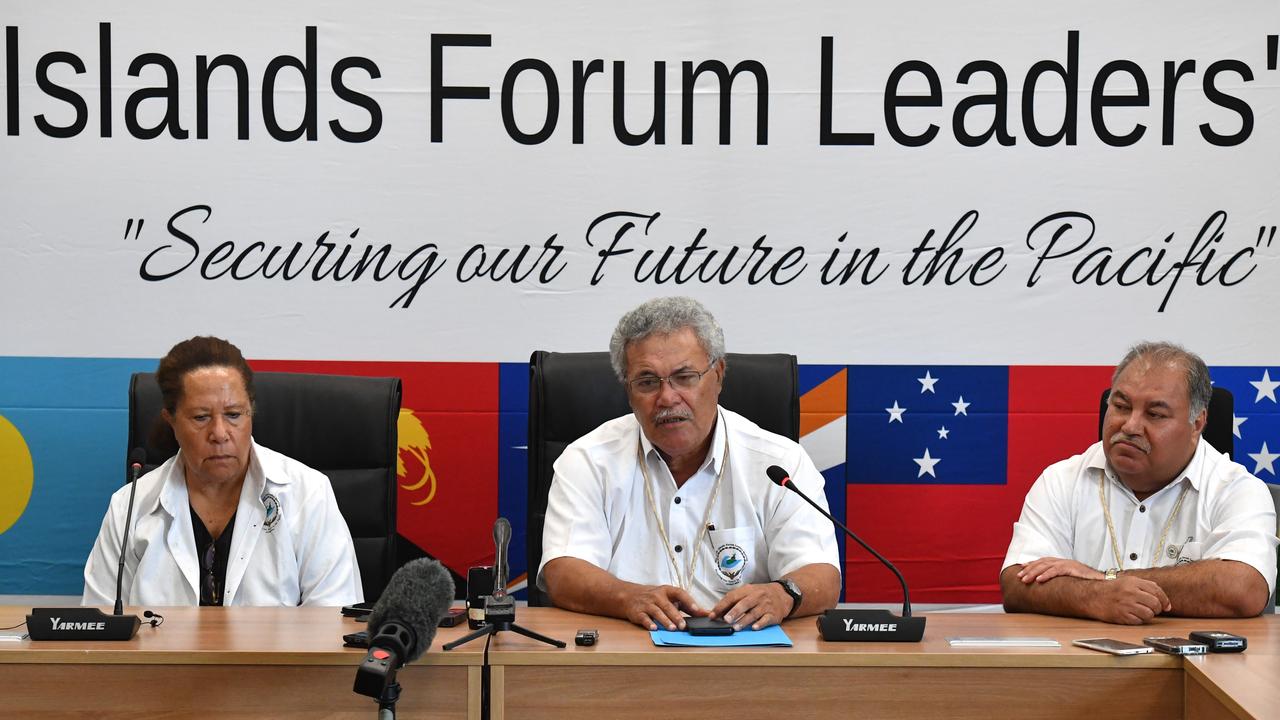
<point x="839" y="625"/>
<point x="81" y="623"/>
<point x="586" y="638"/>
<point x="1219" y="641"/>
<point x="358" y="639"/>
<point x="499" y="607"/>
<point x="453" y="618"/>
<point x="359" y="611"/>
<point x="1176" y="645"/>
<point x="479" y="586"/>
<point x="707" y="626"/>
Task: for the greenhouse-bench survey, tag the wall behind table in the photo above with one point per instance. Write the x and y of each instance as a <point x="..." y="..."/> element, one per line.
<point x="995" y="199"/>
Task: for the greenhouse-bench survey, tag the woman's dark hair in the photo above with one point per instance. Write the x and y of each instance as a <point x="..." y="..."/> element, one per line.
<point x="186" y="356"/>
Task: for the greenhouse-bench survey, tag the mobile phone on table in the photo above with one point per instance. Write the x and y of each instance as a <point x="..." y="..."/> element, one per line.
<point x="707" y="626"/>
<point x="358" y="610"/>
<point x="356" y="639"/>
<point x="1114" y="647"/>
<point x="1177" y="645"/>
<point x="455" y="616"/>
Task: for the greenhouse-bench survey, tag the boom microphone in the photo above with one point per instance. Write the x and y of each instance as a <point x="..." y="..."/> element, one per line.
<point x="83" y="623"/>
<point x="860" y="625"/>
<point x="403" y="622"/>
<point x="137" y="456"/>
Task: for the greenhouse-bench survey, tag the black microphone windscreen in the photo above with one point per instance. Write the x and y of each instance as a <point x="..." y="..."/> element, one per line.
<point x="137" y="456"/>
<point x="417" y="596"/>
<point x="778" y="475"/>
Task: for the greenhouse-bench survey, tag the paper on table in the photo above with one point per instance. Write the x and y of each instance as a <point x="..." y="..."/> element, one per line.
<point x="772" y="636"/>
<point x="12" y="635"/>
<point x="1003" y="642"/>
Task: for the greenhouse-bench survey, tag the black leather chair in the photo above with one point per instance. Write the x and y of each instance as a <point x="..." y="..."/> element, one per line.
<point x="571" y="394"/>
<point x="1219" y="429"/>
<point x="343" y="426"/>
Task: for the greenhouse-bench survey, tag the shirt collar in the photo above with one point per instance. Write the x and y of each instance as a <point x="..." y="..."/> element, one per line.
<point x="174" y="499"/>
<point x="1191" y="473"/>
<point x="715" y="452"/>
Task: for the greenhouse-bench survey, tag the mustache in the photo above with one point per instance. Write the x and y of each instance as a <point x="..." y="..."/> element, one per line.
<point x="671" y="414"/>
<point x="1135" y="440"/>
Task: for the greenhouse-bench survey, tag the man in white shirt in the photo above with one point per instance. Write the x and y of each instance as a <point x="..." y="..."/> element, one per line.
<point x="668" y="510"/>
<point x="1149" y="520"/>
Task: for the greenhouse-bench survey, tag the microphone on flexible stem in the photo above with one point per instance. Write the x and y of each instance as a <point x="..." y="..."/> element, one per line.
<point x="402" y="625"/>
<point x="839" y="625"/>
<point x="81" y="623"/>
<point x="136" y="457"/>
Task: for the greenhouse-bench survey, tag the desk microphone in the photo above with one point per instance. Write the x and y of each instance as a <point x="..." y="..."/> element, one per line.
<point x="136" y="457"/>
<point x="83" y="623"/>
<point x="838" y="625"/>
<point x="402" y="624"/>
<point x="501" y="564"/>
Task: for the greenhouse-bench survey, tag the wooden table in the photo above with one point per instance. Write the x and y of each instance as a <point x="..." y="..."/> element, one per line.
<point x="227" y="663"/>
<point x="272" y="662"/>
<point x="631" y="678"/>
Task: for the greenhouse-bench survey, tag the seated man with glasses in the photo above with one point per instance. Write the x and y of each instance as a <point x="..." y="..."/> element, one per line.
<point x="668" y="511"/>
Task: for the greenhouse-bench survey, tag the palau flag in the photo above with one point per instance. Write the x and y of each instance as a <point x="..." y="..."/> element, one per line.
<point x="63" y="429"/>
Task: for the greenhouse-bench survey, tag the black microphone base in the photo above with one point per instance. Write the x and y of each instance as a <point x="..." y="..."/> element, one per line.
<point x="869" y="626"/>
<point x="80" y="623"/>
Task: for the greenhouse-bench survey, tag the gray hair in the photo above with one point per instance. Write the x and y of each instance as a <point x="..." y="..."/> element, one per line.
<point x="665" y="315"/>
<point x="1167" y="353"/>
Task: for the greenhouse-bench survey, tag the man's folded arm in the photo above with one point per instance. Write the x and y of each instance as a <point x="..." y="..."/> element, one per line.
<point x="1210" y="588"/>
<point x="1127" y="600"/>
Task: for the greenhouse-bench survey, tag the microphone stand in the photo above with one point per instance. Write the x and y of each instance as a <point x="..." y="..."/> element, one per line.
<point x="82" y="623"/>
<point x="837" y="625"/>
<point x="499" y="616"/>
<point x="500" y="608"/>
<point x="387" y="700"/>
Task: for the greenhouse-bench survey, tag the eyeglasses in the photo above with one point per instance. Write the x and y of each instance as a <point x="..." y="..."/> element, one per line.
<point x="683" y="380"/>
<point x="210" y="582"/>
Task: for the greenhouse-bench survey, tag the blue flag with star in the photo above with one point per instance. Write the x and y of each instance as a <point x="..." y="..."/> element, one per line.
<point x="1256" y="420"/>
<point x="928" y="424"/>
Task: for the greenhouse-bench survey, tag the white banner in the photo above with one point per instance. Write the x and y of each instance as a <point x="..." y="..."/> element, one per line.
<point x="983" y="182"/>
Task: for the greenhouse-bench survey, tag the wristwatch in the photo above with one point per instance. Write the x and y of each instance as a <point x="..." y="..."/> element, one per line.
<point x="794" y="591"/>
<point x="1111" y="574"/>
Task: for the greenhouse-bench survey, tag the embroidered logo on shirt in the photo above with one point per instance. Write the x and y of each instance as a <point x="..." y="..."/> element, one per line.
<point x="273" y="512"/>
<point x="1175" y="551"/>
<point x="730" y="562"/>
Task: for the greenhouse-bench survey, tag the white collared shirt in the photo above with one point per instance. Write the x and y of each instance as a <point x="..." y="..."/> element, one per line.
<point x="597" y="510"/>
<point x="290" y="545"/>
<point x="1226" y="514"/>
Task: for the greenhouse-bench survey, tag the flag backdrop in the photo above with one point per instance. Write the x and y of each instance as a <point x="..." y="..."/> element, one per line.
<point x="956" y="215"/>
<point x="944" y="521"/>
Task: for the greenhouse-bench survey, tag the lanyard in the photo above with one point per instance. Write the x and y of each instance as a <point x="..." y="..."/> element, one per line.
<point x="1104" y="497"/>
<point x="684" y="581"/>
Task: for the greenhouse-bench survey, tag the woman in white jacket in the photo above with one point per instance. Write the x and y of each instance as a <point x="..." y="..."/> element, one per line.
<point x="225" y="521"/>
